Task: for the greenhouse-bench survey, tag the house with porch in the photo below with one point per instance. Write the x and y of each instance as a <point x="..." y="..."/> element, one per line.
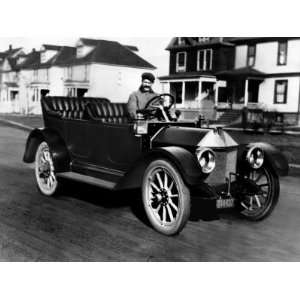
<point x="193" y="63"/>
<point x="221" y="76"/>
<point x="9" y="88"/>
<point x="265" y="76"/>
<point x="93" y="68"/>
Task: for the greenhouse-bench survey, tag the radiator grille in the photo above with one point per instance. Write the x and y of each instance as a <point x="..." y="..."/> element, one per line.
<point x="225" y="163"/>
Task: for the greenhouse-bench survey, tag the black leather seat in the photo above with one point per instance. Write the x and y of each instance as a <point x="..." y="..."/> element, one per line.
<point x="108" y="112"/>
<point x="66" y="107"/>
<point x="99" y="109"/>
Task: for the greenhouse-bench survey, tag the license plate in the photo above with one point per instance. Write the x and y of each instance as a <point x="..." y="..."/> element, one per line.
<point x="225" y="203"/>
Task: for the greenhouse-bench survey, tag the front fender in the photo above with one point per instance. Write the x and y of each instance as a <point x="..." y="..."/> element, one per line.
<point x="60" y="154"/>
<point x="184" y="161"/>
<point x="273" y="158"/>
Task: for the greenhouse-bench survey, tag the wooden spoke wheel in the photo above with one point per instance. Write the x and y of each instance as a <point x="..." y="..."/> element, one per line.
<point x="166" y="198"/>
<point x="44" y="171"/>
<point x="258" y="206"/>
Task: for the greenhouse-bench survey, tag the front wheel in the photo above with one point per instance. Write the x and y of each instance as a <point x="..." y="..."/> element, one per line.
<point x="45" y="176"/>
<point x="258" y="206"/>
<point x="166" y="198"/>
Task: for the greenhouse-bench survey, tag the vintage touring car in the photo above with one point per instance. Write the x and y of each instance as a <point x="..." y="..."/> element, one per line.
<point x="93" y="140"/>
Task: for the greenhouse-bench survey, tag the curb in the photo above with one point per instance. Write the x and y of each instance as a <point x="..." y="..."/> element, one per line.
<point x="16" y="125"/>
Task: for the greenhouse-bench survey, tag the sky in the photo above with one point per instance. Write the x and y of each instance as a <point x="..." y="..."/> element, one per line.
<point x="151" y="49"/>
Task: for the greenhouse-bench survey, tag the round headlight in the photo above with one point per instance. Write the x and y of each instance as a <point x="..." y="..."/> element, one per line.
<point x="255" y="157"/>
<point x="206" y="159"/>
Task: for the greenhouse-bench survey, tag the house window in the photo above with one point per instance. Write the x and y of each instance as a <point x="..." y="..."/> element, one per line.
<point x="181" y="41"/>
<point x="79" y="51"/>
<point x="204" y="60"/>
<point x="176" y="91"/>
<point x="181" y="62"/>
<point x="280" y="95"/>
<point x="282" y="54"/>
<point x="35" y="95"/>
<point x="43" y="57"/>
<point x="71" y="92"/>
<point x="251" y="55"/>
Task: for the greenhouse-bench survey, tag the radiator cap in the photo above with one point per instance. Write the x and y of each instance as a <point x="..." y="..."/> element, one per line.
<point x="217" y="138"/>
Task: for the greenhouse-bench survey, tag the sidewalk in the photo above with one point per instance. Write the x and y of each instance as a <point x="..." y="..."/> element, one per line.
<point x="23" y="122"/>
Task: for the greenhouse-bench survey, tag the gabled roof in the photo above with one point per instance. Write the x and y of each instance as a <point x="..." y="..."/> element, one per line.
<point x="65" y="54"/>
<point x="132" y="48"/>
<point x="194" y="42"/>
<point x="109" y="52"/>
<point x="10" y="52"/>
<point x="104" y="52"/>
<point x="13" y="63"/>
<point x="89" y="42"/>
<point x="32" y="59"/>
<point x="94" y="42"/>
<point x="51" y="47"/>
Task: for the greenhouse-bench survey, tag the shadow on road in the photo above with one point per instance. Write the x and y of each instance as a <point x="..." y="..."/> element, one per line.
<point x="106" y="198"/>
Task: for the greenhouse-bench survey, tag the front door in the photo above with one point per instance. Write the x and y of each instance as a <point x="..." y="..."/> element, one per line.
<point x="176" y="91"/>
<point x="253" y="87"/>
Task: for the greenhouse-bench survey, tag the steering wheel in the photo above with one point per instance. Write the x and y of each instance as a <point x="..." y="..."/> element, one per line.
<point x="158" y="106"/>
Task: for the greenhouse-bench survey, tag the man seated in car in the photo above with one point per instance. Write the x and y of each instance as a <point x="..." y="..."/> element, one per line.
<point x="139" y="99"/>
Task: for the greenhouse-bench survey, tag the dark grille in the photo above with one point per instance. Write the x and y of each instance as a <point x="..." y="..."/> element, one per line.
<point x="225" y="163"/>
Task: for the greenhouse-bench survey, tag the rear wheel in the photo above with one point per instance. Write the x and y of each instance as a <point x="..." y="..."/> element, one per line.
<point x="166" y="198"/>
<point x="45" y="176"/>
<point x="258" y="206"/>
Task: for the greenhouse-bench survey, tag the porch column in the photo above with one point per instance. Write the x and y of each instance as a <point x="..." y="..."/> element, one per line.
<point x="183" y="93"/>
<point x="199" y="93"/>
<point x="216" y="93"/>
<point x="246" y="94"/>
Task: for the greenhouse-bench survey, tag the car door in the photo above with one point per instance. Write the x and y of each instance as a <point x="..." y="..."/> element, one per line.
<point x="77" y="139"/>
<point x="113" y="146"/>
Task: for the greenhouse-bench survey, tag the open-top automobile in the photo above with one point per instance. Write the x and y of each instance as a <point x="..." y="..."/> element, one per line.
<point x="173" y="162"/>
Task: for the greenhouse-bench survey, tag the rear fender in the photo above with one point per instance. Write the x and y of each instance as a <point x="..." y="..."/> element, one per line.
<point x="184" y="161"/>
<point x="60" y="154"/>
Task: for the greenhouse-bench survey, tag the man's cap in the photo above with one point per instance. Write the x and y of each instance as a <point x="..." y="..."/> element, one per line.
<point x="148" y="76"/>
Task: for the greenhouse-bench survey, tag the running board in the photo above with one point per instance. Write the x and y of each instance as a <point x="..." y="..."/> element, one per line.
<point x="88" y="179"/>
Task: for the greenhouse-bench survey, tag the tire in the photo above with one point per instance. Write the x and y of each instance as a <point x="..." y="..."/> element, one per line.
<point x="166" y="198"/>
<point x="262" y="204"/>
<point x="45" y="176"/>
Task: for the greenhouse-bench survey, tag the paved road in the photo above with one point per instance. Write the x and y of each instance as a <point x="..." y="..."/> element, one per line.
<point x="91" y="224"/>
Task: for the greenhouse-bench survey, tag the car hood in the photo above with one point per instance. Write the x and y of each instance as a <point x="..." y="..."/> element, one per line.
<point x="194" y="137"/>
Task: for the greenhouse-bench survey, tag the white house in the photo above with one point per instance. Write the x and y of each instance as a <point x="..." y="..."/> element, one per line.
<point x="9" y="89"/>
<point x="103" y="68"/>
<point x="93" y="68"/>
<point x="266" y="75"/>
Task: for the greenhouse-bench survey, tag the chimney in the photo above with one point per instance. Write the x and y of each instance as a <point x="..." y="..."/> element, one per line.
<point x="33" y="49"/>
<point x="10" y="47"/>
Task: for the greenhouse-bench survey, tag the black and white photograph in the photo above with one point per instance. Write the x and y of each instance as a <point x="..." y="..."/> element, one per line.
<point x="150" y="150"/>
